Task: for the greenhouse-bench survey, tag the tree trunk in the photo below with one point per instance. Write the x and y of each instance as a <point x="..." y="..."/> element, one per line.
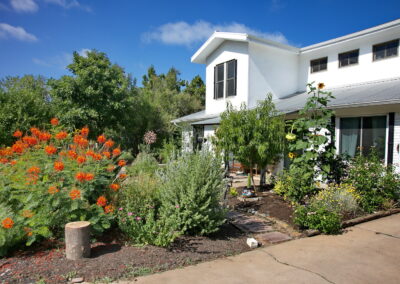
<point x="77" y="240"/>
<point x="262" y="177"/>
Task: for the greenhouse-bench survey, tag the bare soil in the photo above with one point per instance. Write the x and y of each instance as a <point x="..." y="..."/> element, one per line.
<point x="112" y="259"/>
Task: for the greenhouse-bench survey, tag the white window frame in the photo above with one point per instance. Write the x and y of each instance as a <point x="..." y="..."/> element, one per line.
<point x="225" y="80"/>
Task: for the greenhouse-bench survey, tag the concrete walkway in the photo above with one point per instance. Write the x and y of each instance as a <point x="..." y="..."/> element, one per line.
<point x="366" y="253"/>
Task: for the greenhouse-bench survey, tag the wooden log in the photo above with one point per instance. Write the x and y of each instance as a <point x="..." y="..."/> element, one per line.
<point x="77" y="240"/>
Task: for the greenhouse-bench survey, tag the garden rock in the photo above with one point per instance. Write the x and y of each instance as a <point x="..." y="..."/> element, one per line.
<point x="274" y="237"/>
<point x="77" y="280"/>
<point x="252" y="243"/>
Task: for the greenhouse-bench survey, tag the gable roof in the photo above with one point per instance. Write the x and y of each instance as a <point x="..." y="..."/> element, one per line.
<point x="217" y="38"/>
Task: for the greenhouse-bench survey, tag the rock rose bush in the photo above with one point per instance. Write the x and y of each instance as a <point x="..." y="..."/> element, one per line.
<point x="51" y="177"/>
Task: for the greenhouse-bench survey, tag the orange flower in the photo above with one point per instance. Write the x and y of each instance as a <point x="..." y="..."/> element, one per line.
<point x="28" y="231"/>
<point x="75" y="193"/>
<point x="27" y="214"/>
<point x="13" y="162"/>
<point x="116" y="152"/>
<point x="80" y="176"/>
<point x="101" y="139"/>
<point x="62" y="153"/>
<point x="90" y="153"/>
<point x="97" y="157"/>
<point x="17" y="134"/>
<point x="109" y="209"/>
<point x="54" y="121"/>
<point x="3" y="160"/>
<point x="18" y="147"/>
<point x="109" y="143"/>
<point x="107" y="154"/>
<point x="89" y="176"/>
<point x="85" y="131"/>
<point x="53" y="190"/>
<point x="59" y="166"/>
<point x="72" y="147"/>
<point x="50" y="150"/>
<point x="121" y="163"/>
<point x="101" y="201"/>
<point x="61" y="135"/>
<point x="32" y="141"/>
<point x="81" y="159"/>
<point x="35" y="131"/>
<point x="115" y="186"/>
<point x="110" y="168"/>
<point x="34" y="170"/>
<point x="122" y="176"/>
<point x="8" y="223"/>
<point x="72" y="154"/>
<point x="44" y="136"/>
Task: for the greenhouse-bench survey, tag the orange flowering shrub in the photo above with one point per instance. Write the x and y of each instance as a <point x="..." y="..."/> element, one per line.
<point x="51" y="177"/>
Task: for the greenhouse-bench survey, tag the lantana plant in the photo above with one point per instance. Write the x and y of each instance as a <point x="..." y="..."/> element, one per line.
<point x="51" y="177"/>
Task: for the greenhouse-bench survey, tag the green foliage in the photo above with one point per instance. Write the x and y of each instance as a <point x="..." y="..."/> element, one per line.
<point x="309" y="137"/>
<point x="191" y="191"/>
<point x="317" y="218"/>
<point x="233" y="192"/>
<point x="375" y="182"/>
<point x="168" y="150"/>
<point x="24" y="102"/>
<point x="255" y="137"/>
<point x="144" y="163"/>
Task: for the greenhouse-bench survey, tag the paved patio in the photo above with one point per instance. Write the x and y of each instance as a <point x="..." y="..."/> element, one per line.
<point x="366" y="253"/>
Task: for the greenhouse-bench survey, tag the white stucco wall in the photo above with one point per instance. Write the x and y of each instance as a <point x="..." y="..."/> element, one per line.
<point x="187" y="139"/>
<point x="228" y="51"/>
<point x="396" y="144"/>
<point x="366" y="69"/>
<point x="209" y="131"/>
<point x="271" y="70"/>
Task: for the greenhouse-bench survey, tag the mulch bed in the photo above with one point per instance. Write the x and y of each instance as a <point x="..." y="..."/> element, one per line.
<point x="111" y="259"/>
<point x="270" y="204"/>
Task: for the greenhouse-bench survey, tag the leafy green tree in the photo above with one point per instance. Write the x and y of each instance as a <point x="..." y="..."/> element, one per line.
<point x="197" y="89"/>
<point x="24" y="102"/>
<point x="254" y="136"/>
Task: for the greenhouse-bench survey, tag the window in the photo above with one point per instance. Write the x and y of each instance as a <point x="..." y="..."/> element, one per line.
<point x="225" y="79"/>
<point x="319" y="64"/>
<point x="348" y="58"/>
<point x="363" y="133"/>
<point x="385" y="50"/>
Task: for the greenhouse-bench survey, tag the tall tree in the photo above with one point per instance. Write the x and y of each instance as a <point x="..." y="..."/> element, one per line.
<point x="256" y="137"/>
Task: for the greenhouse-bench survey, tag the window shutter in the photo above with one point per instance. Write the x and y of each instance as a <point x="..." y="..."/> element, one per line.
<point x="390" y="139"/>
<point x="215" y="82"/>
<point x="235" y="77"/>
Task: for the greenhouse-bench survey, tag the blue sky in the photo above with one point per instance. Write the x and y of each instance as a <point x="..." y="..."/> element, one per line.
<point x="39" y="36"/>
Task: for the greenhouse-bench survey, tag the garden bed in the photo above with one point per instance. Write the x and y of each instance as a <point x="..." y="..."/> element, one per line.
<point x="112" y="259"/>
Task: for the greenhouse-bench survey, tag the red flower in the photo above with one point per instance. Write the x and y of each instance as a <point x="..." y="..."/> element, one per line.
<point x="44" y="136"/>
<point x="74" y="194"/>
<point x="89" y="177"/>
<point x="90" y="153"/>
<point x="80" y="176"/>
<point x="61" y="135"/>
<point x="34" y="170"/>
<point x="85" y="131"/>
<point x="58" y="166"/>
<point x="53" y="190"/>
<point x="115" y="186"/>
<point x="101" y="201"/>
<point x="54" y="121"/>
<point x="81" y="159"/>
<point x="32" y="141"/>
<point x="50" y="150"/>
<point x="72" y="154"/>
<point x="17" y="134"/>
<point x="109" y="209"/>
<point x="116" y="152"/>
<point x="7" y="223"/>
<point x="3" y="161"/>
<point x="121" y="163"/>
<point x="101" y="139"/>
<point x="109" y="143"/>
<point x="35" y="131"/>
<point x="18" y="148"/>
<point x="97" y="157"/>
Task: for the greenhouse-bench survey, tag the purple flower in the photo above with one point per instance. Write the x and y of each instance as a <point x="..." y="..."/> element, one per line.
<point x="130" y="213"/>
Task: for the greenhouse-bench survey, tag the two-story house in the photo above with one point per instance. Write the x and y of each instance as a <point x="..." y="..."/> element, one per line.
<point x="361" y="69"/>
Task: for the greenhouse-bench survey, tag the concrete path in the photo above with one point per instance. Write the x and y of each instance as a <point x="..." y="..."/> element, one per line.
<point x="366" y="253"/>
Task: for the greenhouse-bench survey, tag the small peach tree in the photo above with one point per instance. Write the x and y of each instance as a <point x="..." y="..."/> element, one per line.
<point x="51" y="177"/>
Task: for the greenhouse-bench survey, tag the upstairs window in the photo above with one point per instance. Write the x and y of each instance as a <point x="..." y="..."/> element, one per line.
<point x="385" y="50"/>
<point x="348" y="58"/>
<point x="225" y="79"/>
<point x="319" y="64"/>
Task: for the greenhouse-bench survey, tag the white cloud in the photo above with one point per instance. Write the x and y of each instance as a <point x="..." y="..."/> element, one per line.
<point x="83" y="52"/>
<point x="183" y="33"/>
<point x="68" y="4"/>
<point x="19" y="33"/>
<point x="28" y="6"/>
<point x="59" y="61"/>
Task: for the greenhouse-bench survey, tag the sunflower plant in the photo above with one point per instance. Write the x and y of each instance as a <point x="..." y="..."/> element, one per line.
<point x="51" y="177"/>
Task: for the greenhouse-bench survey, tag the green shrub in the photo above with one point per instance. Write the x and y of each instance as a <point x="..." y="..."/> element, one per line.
<point x="191" y="192"/>
<point x="317" y="218"/>
<point x="295" y="184"/>
<point x="144" y="163"/>
<point x="168" y="150"/>
<point x="376" y="183"/>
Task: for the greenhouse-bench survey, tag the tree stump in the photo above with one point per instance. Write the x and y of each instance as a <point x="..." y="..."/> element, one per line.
<point x="77" y="240"/>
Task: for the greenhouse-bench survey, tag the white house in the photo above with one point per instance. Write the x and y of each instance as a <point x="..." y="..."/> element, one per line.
<point x="361" y="69"/>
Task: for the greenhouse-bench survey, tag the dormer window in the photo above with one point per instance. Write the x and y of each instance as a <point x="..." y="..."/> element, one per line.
<point x="348" y="58"/>
<point x="225" y="79"/>
<point x="385" y="50"/>
<point x="319" y="64"/>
